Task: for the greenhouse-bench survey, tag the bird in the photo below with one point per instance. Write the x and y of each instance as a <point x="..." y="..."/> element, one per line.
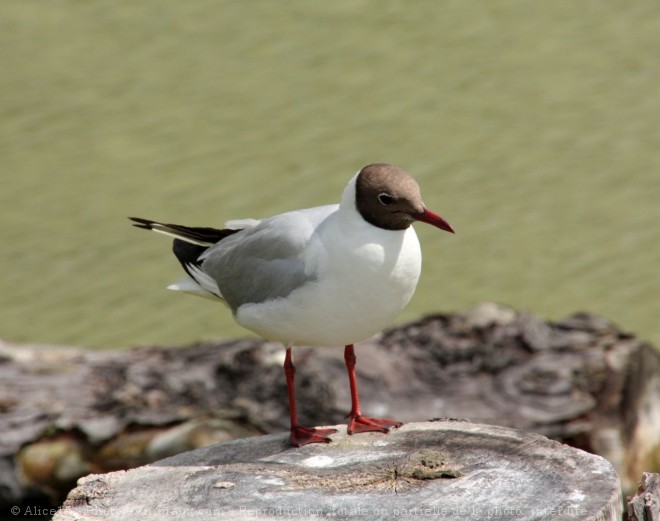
<point x="330" y="275"/>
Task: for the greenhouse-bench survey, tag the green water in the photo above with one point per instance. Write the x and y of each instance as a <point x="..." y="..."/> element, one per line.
<point x="533" y="127"/>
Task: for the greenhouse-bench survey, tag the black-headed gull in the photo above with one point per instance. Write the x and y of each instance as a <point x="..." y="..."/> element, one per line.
<point x="325" y="276"/>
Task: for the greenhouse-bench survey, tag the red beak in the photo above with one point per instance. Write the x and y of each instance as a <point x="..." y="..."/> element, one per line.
<point x="427" y="216"/>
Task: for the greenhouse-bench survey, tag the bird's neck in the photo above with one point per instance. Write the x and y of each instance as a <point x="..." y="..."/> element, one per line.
<point x="349" y="217"/>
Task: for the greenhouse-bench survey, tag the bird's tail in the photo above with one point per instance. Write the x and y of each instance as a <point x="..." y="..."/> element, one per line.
<point x="189" y="244"/>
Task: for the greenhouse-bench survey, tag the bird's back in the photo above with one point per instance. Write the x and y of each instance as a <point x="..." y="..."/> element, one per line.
<point x="265" y="261"/>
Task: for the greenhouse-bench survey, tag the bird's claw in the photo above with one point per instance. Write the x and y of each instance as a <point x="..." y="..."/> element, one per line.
<point x="361" y="423"/>
<point x="305" y="435"/>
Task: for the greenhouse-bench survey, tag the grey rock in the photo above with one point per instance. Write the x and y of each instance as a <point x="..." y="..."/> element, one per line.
<point x="581" y="381"/>
<point x="437" y="470"/>
<point x="645" y="505"/>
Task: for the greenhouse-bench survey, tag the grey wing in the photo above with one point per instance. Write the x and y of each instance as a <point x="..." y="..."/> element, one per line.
<point x="266" y="261"/>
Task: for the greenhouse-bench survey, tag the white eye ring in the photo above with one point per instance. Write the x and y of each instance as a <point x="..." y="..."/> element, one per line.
<point x="385" y="198"/>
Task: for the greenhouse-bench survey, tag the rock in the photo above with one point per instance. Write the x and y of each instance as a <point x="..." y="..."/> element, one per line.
<point x="438" y="470"/>
<point x="582" y="381"/>
<point x="645" y="505"/>
<point x="488" y="314"/>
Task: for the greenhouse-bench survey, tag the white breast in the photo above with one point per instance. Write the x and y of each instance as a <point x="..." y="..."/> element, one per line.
<point x="364" y="277"/>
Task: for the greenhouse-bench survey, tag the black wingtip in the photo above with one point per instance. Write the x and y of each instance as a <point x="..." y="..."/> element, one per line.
<point x="195" y="235"/>
<point x="145" y="224"/>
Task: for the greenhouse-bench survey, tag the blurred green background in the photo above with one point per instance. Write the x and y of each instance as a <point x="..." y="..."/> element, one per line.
<point x="533" y="127"/>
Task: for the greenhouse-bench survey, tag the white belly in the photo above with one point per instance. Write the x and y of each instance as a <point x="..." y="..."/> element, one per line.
<point x="360" y="289"/>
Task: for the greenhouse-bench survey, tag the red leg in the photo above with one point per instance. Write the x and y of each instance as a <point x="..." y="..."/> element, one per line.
<point x="358" y="422"/>
<point x="300" y="435"/>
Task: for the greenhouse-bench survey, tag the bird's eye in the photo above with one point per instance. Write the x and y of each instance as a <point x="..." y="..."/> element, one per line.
<point x="385" y="198"/>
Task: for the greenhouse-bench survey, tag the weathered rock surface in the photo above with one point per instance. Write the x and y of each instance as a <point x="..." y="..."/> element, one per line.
<point x="645" y="505"/>
<point x="437" y="470"/>
<point x="65" y="413"/>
